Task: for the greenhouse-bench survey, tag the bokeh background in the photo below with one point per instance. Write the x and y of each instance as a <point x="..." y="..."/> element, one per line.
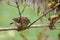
<point x="7" y="13"/>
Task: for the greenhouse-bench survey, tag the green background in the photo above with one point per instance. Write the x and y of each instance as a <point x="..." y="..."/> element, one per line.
<point x="7" y="13"/>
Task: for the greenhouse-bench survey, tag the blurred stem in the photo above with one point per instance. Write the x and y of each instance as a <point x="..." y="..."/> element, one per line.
<point x="33" y="4"/>
<point x="23" y="36"/>
<point x="38" y="10"/>
<point x="40" y="36"/>
<point x="43" y="15"/>
<point x="7" y="29"/>
<point x="58" y="36"/>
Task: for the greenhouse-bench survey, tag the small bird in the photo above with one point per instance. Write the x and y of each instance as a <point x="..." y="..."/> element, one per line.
<point x="21" y="22"/>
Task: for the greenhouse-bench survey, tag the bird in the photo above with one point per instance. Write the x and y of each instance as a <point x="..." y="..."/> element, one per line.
<point x="21" y="22"/>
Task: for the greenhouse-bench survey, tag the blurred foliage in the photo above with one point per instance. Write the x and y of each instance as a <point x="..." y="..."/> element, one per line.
<point x="7" y="13"/>
<point x="1" y="0"/>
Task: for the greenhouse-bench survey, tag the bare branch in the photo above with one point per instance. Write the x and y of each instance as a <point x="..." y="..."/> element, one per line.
<point x="44" y="25"/>
<point x="6" y="29"/>
<point x="33" y="26"/>
<point x="17" y="4"/>
<point x="39" y="26"/>
<point x="43" y="15"/>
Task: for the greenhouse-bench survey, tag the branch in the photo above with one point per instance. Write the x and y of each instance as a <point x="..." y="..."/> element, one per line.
<point x="6" y="29"/>
<point x="44" y="25"/>
<point x="12" y="28"/>
<point x="17" y="4"/>
<point x="39" y="26"/>
<point x="43" y="15"/>
<point x="33" y="26"/>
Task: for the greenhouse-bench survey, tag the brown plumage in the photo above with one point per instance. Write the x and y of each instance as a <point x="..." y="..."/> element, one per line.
<point x="18" y="21"/>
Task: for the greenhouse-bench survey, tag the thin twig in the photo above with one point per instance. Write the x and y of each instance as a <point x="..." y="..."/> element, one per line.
<point x="33" y="26"/>
<point x="6" y="29"/>
<point x="15" y="28"/>
<point x="43" y="15"/>
<point x="39" y="26"/>
<point x="17" y="4"/>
